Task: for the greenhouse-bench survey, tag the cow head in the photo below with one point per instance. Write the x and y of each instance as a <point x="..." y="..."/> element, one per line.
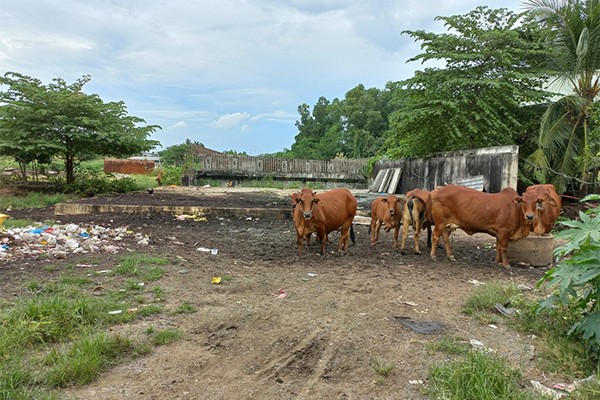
<point x="393" y="203"/>
<point x="534" y="202"/>
<point x="307" y="202"/>
<point x="295" y="199"/>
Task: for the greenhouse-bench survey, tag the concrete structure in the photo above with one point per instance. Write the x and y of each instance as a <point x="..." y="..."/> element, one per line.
<point x="534" y="250"/>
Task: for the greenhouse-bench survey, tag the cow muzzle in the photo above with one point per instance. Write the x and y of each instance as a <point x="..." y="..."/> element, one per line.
<point x="392" y="211"/>
<point x="530" y="216"/>
<point x="307" y="215"/>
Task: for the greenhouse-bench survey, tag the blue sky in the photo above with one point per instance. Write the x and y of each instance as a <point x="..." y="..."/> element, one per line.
<point x="228" y="74"/>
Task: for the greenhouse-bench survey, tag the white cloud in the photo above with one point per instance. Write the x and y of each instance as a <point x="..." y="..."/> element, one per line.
<point x="231" y="120"/>
<point x="179" y="125"/>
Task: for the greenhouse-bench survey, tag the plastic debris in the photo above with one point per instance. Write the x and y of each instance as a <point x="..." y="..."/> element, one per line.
<point x="60" y="240"/>
<point x="475" y="282"/>
<point x="421" y="327"/>
<point x="545" y="391"/>
<point x="281" y="293"/>
<point x="114" y="312"/>
<point x="216" y="280"/>
<point x="214" y="251"/>
<point x="480" y="346"/>
<point x="504" y="310"/>
<point x="203" y="249"/>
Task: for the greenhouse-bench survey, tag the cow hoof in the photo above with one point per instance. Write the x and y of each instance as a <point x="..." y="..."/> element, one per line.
<point x="403" y="252"/>
<point x="433" y="258"/>
<point x="418" y="253"/>
<point x="451" y="258"/>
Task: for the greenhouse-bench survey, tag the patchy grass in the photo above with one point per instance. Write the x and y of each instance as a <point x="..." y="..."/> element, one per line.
<point x="450" y="345"/>
<point x="141" y="266"/>
<point x="58" y="334"/>
<point x="477" y="376"/>
<point x="32" y="200"/>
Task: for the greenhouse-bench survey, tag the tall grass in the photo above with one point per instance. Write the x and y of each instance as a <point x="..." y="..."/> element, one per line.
<point x="478" y="376"/>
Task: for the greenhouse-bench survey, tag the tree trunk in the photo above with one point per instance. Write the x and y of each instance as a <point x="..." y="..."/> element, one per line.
<point x="70" y="168"/>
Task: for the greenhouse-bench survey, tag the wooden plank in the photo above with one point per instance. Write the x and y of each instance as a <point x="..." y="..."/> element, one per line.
<point x="375" y="185"/>
<point x="394" y="180"/>
<point x="384" y="181"/>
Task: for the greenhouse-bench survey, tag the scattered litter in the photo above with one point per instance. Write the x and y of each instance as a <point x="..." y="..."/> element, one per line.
<point x="98" y="291"/>
<point x="281" y="293"/>
<point x="480" y="346"/>
<point x="206" y="186"/>
<point x="422" y="327"/>
<point x="249" y="219"/>
<point x="475" y="282"/>
<point x="522" y="286"/>
<point x="204" y="249"/>
<point x="415" y="382"/>
<point x="104" y="271"/>
<point x="183" y="271"/>
<point x="311" y="274"/>
<point x="115" y="312"/>
<point x="214" y="251"/>
<point x="529" y="351"/>
<point x="216" y="280"/>
<point x="410" y="303"/>
<point x="59" y="240"/>
<point x="502" y="309"/>
<point x="545" y="391"/>
<point x="193" y="217"/>
<point x="493" y="326"/>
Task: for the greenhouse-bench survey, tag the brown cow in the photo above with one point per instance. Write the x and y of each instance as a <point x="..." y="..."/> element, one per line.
<point x="386" y="211"/>
<point x="541" y="206"/>
<point x="324" y="213"/>
<point x="295" y="201"/>
<point x="497" y="214"/>
<point x="417" y="213"/>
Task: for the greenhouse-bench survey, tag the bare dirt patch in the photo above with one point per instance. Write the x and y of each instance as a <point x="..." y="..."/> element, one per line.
<point x="339" y="314"/>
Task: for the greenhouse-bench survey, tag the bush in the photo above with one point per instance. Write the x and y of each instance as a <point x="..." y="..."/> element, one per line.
<point x="90" y="183"/>
<point x="577" y="277"/>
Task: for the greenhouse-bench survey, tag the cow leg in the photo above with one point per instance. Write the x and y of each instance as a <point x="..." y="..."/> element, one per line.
<point x="396" y="230"/>
<point x="322" y="237"/>
<point x="502" y="251"/>
<point x="299" y="240"/>
<point x="446" y="237"/>
<point x="373" y="228"/>
<point x="436" y="237"/>
<point x="417" y="235"/>
<point x="405" y="226"/>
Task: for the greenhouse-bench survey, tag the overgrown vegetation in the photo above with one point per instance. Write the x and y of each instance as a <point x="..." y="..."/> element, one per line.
<point x="566" y="323"/>
<point x="58" y="335"/>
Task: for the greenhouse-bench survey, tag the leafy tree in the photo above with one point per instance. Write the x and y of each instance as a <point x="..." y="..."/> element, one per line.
<point x="176" y="154"/>
<point x="39" y="122"/>
<point x="565" y="145"/>
<point x="475" y="100"/>
<point x="353" y="126"/>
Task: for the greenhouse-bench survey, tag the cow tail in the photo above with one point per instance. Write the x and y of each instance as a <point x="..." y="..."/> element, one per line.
<point x="352" y="236"/>
<point x="410" y="204"/>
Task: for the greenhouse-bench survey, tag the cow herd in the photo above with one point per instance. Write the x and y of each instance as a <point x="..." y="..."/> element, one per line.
<point x="507" y="216"/>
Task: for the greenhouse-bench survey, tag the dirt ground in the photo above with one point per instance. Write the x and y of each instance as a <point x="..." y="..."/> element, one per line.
<point x="340" y="314"/>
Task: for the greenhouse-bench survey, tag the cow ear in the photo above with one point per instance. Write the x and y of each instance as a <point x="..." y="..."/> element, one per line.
<point x="549" y="199"/>
<point x="518" y="199"/>
<point x="316" y="200"/>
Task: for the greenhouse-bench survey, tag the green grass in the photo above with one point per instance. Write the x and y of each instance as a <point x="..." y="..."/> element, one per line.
<point x="556" y="351"/>
<point x="185" y="308"/>
<point x="141" y="266"/>
<point x="477" y="376"/>
<point x="58" y="334"/>
<point x="33" y="200"/>
<point x="449" y="345"/>
<point x="383" y="369"/>
<point x="164" y="336"/>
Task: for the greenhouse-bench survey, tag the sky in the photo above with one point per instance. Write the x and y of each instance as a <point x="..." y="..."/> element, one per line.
<point x="227" y="74"/>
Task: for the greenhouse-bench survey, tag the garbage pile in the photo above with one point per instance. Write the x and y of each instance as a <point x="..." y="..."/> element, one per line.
<point x="59" y="240"/>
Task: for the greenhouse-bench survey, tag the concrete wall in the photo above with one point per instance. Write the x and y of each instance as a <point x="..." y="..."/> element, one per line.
<point x="498" y="165"/>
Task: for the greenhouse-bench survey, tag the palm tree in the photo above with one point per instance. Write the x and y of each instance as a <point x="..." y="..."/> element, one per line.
<point x="563" y="155"/>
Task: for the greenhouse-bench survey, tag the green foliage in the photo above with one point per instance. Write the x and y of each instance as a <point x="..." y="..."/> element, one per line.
<point x="171" y="175"/>
<point x="165" y="336"/>
<point x="141" y="266"/>
<point x="39" y="122"/>
<point x="475" y="100"/>
<point x="353" y="126"/>
<point x="479" y="376"/>
<point x="576" y="277"/>
<point x="568" y="148"/>
<point x="91" y="183"/>
<point x="383" y="369"/>
<point x="175" y="155"/>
